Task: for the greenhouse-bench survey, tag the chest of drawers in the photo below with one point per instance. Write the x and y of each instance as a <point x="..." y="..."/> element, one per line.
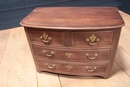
<point x="74" y="40"/>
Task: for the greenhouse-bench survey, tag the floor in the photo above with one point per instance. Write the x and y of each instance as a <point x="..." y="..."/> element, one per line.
<point x="17" y="67"/>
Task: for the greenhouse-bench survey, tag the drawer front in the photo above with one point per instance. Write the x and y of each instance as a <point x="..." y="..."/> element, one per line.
<point x="71" y="55"/>
<point x="92" y="39"/>
<point x="72" y="68"/>
<point x="45" y="37"/>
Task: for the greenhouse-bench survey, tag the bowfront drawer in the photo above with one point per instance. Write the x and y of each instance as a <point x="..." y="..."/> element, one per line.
<point x="73" y="68"/>
<point x="46" y="37"/>
<point x="70" y="54"/>
<point x="92" y="39"/>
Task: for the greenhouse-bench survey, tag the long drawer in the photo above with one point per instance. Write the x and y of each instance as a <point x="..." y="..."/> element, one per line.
<point x="71" y="55"/>
<point x="94" y="69"/>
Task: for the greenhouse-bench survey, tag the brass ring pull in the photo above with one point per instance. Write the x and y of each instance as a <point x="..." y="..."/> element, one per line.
<point x="92" y="44"/>
<point x="91" y="70"/>
<point x="92" y="40"/>
<point x="49" y="55"/>
<point x="50" y="67"/>
<point x="91" y="58"/>
<point x="46" y="41"/>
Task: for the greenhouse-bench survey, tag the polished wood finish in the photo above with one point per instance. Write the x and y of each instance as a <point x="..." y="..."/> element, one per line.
<point x="75" y="69"/>
<point x="84" y="43"/>
<point x="34" y="36"/>
<point x="74" y="18"/>
<point x="73" y="54"/>
<point x="105" y="37"/>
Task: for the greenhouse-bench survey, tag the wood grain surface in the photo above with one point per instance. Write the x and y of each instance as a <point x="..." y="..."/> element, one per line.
<point x="74" y="18"/>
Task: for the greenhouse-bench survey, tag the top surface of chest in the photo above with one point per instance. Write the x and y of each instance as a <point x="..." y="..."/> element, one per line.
<point x="74" y="18"/>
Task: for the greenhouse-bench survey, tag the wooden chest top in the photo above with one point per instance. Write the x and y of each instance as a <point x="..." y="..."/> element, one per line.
<point x="74" y="18"/>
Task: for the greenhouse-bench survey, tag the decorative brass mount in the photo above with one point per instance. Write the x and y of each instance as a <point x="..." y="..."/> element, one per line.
<point x="50" y="66"/>
<point x="91" y="58"/>
<point x="69" y="67"/>
<point x="92" y="40"/>
<point x="68" y="55"/>
<point x="51" y="54"/>
<point x="91" y="70"/>
<point x="46" y="39"/>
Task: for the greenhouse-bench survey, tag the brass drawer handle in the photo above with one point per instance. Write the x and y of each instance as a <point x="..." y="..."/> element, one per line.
<point x="51" y="54"/>
<point x="50" y="67"/>
<point x="91" y="70"/>
<point x="91" y="58"/>
<point x="46" y="39"/>
<point x="92" y="40"/>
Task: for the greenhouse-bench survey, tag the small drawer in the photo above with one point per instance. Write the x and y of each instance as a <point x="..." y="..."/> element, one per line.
<point x="73" y="68"/>
<point x="72" y="55"/>
<point x="92" y="39"/>
<point x="46" y="37"/>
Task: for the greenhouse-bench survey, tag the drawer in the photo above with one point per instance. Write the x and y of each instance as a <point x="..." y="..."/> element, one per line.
<point x="46" y="37"/>
<point x="72" y="55"/>
<point x="92" y="39"/>
<point x="73" y="68"/>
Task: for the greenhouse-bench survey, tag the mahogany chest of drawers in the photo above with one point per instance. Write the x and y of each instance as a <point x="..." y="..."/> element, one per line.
<point x="74" y="40"/>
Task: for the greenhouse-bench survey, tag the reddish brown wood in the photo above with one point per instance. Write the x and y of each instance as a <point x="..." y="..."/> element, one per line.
<point x="36" y="33"/>
<point x="77" y="55"/>
<point x="79" y="38"/>
<point x="74" y="40"/>
<point x="74" y="18"/>
<point x="77" y="69"/>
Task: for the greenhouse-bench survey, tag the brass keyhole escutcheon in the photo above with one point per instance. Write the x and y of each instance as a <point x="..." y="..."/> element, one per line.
<point x="68" y="55"/>
<point x="69" y="67"/>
